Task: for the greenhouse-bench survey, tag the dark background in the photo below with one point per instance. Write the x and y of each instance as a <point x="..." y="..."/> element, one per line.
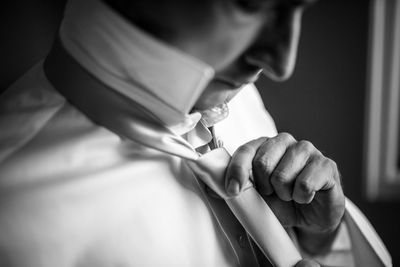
<point x="323" y="102"/>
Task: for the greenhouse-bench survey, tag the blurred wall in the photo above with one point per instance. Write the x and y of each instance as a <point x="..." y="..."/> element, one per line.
<point x="27" y="29"/>
<point x="323" y="102"/>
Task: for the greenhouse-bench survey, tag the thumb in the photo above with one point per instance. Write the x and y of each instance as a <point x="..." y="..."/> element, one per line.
<point x="240" y="166"/>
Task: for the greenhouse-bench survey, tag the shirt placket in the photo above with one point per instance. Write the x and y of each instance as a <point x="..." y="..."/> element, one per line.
<point x="236" y="235"/>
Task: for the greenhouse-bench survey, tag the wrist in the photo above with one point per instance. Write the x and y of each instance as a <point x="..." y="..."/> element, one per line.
<point x="316" y="242"/>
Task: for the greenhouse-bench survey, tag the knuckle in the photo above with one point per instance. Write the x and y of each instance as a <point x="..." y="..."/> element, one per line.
<point x="279" y="178"/>
<point x="258" y="163"/>
<point x="292" y="152"/>
<point x="305" y="187"/>
<point x="332" y="163"/>
<point x="305" y="145"/>
<point x="332" y="167"/>
<point x="263" y="165"/>
<point x="286" y="137"/>
<point x="246" y="148"/>
<point x="328" y="164"/>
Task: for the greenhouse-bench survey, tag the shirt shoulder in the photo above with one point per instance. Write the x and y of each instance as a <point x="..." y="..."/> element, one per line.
<point x="25" y="107"/>
<point x="41" y="130"/>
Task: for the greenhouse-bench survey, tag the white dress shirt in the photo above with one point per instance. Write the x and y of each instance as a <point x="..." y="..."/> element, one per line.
<point x="75" y="192"/>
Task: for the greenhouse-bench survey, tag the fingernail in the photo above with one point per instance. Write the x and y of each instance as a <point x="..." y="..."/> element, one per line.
<point x="233" y="187"/>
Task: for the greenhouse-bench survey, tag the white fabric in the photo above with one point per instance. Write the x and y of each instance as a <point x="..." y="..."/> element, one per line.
<point x="76" y="194"/>
<point x="368" y="248"/>
<point x="72" y="193"/>
<point x="125" y="58"/>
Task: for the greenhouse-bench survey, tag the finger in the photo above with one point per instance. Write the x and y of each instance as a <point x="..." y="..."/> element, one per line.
<point x="317" y="175"/>
<point x="291" y="164"/>
<point x="307" y="263"/>
<point x="240" y="166"/>
<point x="267" y="158"/>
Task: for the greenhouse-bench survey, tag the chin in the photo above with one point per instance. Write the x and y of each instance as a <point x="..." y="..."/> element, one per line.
<point x="208" y="103"/>
<point x="214" y="96"/>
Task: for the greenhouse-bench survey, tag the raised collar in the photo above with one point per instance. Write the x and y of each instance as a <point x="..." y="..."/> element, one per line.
<point x="164" y="80"/>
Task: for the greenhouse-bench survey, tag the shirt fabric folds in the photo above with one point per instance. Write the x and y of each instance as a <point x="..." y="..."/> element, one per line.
<point x="75" y="192"/>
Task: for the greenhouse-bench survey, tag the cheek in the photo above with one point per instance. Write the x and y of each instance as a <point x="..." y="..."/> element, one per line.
<point x="225" y="36"/>
<point x="231" y="44"/>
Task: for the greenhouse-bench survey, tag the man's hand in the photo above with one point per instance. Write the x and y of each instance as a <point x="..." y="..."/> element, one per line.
<point x="298" y="182"/>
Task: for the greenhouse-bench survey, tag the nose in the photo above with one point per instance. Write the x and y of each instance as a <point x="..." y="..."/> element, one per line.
<point x="275" y="49"/>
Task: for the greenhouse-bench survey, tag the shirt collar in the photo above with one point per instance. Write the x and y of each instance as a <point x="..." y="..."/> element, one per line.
<point x="164" y="80"/>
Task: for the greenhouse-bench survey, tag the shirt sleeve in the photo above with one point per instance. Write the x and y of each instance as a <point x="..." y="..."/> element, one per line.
<point x="356" y="244"/>
<point x="340" y="253"/>
<point x="366" y="246"/>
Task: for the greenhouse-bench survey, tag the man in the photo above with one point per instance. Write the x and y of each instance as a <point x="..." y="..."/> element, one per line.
<point x="93" y="168"/>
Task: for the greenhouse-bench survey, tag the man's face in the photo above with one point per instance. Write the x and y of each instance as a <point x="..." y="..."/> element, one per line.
<point x="250" y="37"/>
<point x="238" y="38"/>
